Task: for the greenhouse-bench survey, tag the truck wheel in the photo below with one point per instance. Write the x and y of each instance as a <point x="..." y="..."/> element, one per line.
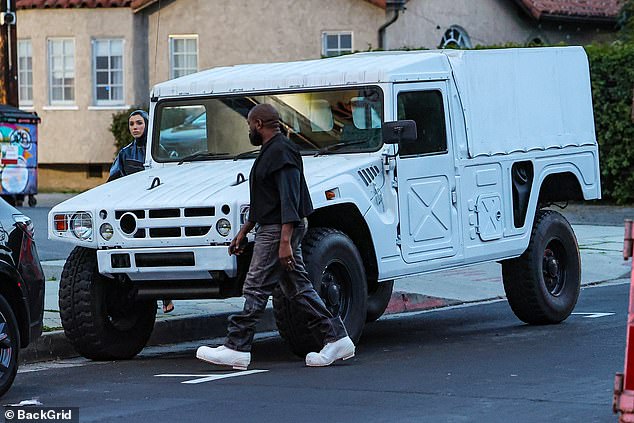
<point x="378" y="300"/>
<point x="542" y="285"/>
<point x="336" y="270"/>
<point x="101" y="317"/>
<point x="9" y="345"/>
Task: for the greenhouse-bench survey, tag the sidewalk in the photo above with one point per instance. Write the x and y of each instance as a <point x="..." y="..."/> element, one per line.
<point x="601" y="255"/>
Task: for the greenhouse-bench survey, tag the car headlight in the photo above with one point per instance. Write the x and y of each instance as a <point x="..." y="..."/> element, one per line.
<point x="223" y="226"/>
<point x="81" y="226"/>
<point x="106" y="231"/>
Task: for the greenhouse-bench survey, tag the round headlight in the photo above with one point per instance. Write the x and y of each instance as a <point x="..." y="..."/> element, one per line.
<point x="106" y="231"/>
<point x="223" y="226"/>
<point x="81" y="226"/>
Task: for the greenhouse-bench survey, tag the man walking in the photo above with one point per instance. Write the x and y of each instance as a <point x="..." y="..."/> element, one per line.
<point x="280" y="203"/>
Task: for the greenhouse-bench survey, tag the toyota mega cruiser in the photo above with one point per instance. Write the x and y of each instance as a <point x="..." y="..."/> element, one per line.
<point x="416" y="162"/>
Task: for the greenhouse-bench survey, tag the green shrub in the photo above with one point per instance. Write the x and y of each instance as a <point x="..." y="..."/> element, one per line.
<point x="612" y="74"/>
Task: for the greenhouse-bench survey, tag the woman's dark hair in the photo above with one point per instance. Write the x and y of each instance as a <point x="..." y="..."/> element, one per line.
<point x="141" y="113"/>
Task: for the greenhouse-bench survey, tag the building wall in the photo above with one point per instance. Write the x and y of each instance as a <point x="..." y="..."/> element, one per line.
<point x="70" y="177"/>
<point x="487" y="22"/>
<point x="246" y="31"/>
<point x="79" y="133"/>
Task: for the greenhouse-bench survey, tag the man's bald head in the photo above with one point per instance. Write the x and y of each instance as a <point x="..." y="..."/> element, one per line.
<point x="266" y="114"/>
<point x="264" y="124"/>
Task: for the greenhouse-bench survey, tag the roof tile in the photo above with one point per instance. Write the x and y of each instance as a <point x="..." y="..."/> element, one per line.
<point x="573" y="8"/>
<point x="63" y="4"/>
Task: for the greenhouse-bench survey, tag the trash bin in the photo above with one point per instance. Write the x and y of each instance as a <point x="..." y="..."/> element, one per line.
<point x="18" y="162"/>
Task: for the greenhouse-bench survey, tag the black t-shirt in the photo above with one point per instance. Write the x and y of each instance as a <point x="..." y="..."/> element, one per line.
<point x="279" y="193"/>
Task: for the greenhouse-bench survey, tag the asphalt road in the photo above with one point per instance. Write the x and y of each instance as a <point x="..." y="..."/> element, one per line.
<point x="469" y="364"/>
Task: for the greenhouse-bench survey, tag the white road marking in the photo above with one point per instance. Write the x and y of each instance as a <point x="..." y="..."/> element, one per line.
<point x="211" y="378"/>
<point x="594" y="315"/>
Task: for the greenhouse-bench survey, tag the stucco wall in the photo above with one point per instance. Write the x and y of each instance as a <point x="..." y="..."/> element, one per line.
<point x="486" y="21"/>
<point x="247" y="31"/>
<point x="68" y="178"/>
<point x="79" y="135"/>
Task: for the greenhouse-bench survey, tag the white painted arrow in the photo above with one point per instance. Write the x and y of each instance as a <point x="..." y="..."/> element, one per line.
<point x="210" y="378"/>
<point x="593" y="315"/>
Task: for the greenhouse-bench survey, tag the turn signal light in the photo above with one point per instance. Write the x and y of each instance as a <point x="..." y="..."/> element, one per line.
<point x="331" y="194"/>
<point x="61" y="224"/>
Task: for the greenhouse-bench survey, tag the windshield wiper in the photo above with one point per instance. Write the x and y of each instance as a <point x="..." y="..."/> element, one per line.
<point x="245" y="154"/>
<point x="200" y="155"/>
<point x="330" y="148"/>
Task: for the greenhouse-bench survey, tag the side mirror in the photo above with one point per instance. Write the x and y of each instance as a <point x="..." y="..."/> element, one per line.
<point x="399" y="131"/>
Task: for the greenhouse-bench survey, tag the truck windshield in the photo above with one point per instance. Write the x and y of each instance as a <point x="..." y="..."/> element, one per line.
<point x="324" y="122"/>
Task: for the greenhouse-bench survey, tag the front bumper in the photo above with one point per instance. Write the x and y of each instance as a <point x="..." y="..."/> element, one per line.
<point x="167" y="263"/>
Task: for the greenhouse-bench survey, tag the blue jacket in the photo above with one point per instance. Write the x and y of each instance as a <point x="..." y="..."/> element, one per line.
<point x="129" y="160"/>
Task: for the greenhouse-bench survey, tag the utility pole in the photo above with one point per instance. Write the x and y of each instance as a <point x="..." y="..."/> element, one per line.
<point x="8" y="54"/>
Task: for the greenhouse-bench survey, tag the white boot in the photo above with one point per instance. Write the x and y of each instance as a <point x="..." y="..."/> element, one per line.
<point x="224" y="356"/>
<point x="341" y="349"/>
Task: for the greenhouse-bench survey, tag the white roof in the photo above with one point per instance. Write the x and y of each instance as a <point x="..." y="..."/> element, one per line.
<point x="513" y="99"/>
<point x="359" y="68"/>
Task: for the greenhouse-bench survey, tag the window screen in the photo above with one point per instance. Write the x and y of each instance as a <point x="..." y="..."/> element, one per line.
<point x="108" y="71"/>
<point x="61" y="59"/>
<point x="25" y="72"/>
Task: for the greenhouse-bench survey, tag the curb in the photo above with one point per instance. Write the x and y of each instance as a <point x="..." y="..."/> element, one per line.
<point x="405" y="302"/>
<point x="55" y="346"/>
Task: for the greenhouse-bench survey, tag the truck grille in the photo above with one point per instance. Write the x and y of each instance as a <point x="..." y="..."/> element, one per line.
<point x="165" y="223"/>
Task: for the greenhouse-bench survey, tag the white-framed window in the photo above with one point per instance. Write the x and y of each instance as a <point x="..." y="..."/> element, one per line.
<point x="336" y="43"/>
<point x="25" y="72"/>
<point x="456" y="37"/>
<point x="183" y="55"/>
<point x="61" y="70"/>
<point x="108" y="71"/>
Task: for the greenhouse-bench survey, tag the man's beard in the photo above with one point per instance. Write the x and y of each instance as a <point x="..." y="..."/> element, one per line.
<point x="255" y="138"/>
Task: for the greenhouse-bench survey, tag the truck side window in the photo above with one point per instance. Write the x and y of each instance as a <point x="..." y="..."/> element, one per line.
<point x="427" y="110"/>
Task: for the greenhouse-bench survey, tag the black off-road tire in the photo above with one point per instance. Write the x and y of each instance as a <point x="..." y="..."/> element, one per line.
<point x="378" y="300"/>
<point x="100" y="316"/>
<point x="9" y="346"/>
<point x="543" y="284"/>
<point x="331" y="258"/>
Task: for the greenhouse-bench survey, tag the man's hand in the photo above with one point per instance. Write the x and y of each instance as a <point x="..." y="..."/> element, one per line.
<point x="239" y="243"/>
<point x="285" y="253"/>
<point x="286" y="256"/>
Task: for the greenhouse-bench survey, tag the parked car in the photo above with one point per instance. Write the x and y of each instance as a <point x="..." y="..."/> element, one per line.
<point x="21" y="290"/>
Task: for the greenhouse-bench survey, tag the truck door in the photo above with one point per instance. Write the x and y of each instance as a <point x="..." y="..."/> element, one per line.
<point x="426" y="175"/>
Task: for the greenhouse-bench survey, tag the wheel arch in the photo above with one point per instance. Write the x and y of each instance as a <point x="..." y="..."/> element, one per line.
<point x="347" y="218"/>
<point x="560" y="186"/>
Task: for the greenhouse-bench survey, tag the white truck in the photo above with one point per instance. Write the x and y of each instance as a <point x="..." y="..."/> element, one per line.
<point x="416" y="162"/>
